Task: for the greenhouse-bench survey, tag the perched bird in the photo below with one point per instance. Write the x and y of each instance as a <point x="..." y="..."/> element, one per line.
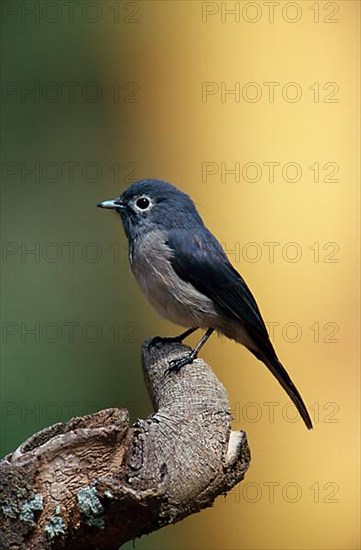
<point x="186" y="275"/>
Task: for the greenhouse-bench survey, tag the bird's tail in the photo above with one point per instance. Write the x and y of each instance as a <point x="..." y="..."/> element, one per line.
<point x="284" y="379"/>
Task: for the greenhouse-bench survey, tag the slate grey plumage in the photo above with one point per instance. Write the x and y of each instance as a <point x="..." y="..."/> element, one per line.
<point x="186" y="275"/>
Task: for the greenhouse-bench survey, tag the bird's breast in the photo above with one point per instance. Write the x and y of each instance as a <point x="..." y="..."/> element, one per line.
<point x="173" y="298"/>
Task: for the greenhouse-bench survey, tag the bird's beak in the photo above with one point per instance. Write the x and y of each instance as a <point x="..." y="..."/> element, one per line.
<point x="112" y="203"/>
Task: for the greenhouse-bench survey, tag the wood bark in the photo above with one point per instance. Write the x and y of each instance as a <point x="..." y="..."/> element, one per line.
<point x="96" y="482"/>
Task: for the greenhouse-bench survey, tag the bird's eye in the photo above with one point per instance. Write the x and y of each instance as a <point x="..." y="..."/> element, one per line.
<point x="143" y="203"/>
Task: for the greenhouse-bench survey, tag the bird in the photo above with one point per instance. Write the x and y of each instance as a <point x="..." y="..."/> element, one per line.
<point x="185" y="273"/>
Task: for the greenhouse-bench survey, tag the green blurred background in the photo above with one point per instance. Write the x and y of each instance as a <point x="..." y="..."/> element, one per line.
<point x="98" y="94"/>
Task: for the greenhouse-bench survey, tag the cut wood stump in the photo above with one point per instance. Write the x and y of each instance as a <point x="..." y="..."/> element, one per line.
<point x="96" y="482"/>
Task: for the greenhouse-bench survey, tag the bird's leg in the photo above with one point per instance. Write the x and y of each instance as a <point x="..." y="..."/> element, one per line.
<point x="176" y="364"/>
<point x="179" y="338"/>
<point x="184" y="334"/>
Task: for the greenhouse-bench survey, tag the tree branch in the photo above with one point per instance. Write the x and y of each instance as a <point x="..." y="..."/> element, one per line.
<point x="95" y="482"/>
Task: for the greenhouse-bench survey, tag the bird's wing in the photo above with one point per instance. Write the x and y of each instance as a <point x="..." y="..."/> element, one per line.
<point x="199" y="259"/>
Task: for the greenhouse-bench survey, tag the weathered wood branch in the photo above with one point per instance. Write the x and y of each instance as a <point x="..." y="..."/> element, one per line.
<point x="95" y="482"/>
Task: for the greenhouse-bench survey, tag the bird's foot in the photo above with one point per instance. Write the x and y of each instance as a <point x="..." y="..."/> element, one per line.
<point x="175" y="365"/>
<point x="159" y="340"/>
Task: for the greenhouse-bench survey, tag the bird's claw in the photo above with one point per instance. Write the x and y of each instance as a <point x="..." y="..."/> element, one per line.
<point x="175" y="365"/>
<point x="161" y="340"/>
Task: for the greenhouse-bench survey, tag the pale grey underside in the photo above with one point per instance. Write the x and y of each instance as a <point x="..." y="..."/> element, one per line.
<point x="173" y="298"/>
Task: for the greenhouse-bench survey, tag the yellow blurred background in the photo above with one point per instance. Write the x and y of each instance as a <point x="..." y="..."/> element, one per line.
<point x="253" y="109"/>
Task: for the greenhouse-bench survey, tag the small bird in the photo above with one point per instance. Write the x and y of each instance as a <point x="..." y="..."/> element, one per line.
<point x="186" y="275"/>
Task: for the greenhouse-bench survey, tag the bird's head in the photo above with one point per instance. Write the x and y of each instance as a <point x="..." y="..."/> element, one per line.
<point x="148" y="205"/>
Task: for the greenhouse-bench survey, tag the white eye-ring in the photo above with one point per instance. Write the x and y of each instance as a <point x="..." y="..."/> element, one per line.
<point x="143" y="203"/>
